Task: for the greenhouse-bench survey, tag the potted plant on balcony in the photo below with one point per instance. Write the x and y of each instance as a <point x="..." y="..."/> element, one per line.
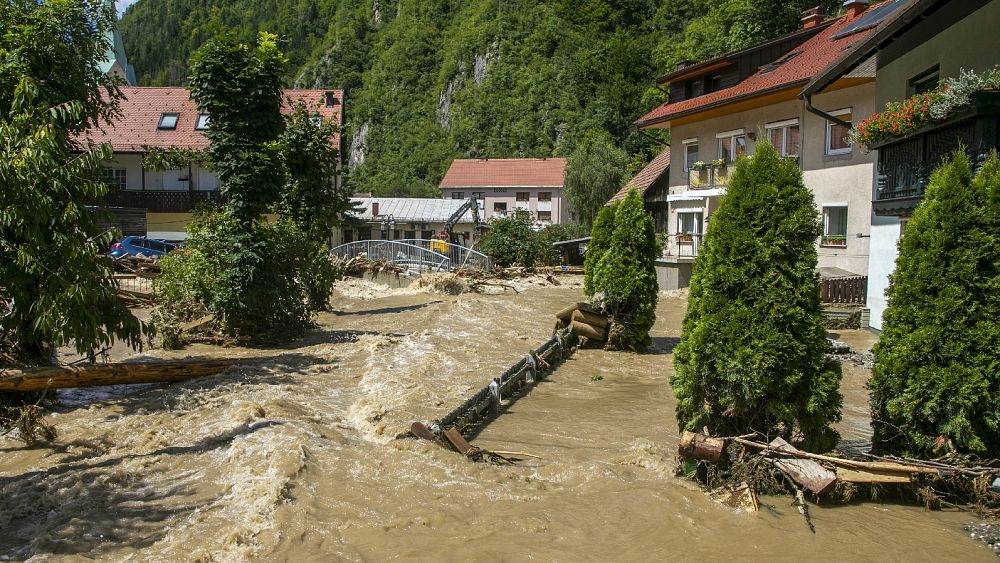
<point x="698" y="175"/>
<point x="684" y="237"/>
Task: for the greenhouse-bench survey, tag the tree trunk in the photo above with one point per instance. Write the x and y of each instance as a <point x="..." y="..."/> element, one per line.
<point x="701" y="447"/>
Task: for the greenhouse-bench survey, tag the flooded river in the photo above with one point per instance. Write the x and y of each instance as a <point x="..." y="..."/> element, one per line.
<point x="292" y="457"/>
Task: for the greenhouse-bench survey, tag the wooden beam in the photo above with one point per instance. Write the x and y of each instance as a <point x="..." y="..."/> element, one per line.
<point x="61" y="377"/>
<point x="805" y="472"/>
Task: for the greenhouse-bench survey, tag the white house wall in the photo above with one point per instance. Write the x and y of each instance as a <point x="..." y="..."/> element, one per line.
<point x="508" y="196"/>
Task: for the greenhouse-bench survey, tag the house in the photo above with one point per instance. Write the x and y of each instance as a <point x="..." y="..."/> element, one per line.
<point x="915" y="48"/>
<point x="115" y="63"/>
<point x="406" y="218"/>
<point x="507" y="184"/>
<point x="720" y="108"/>
<point x="653" y="184"/>
<point x="148" y="200"/>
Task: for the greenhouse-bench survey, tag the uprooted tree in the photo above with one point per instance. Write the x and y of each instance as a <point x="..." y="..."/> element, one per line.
<point x="935" y="385"/>
<point x="752" y="355"/>
<point x="624" y="280"/>
<point x="55" y="287"/>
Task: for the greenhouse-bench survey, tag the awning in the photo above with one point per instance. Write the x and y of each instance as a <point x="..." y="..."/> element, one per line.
<point x="696" y="195"/>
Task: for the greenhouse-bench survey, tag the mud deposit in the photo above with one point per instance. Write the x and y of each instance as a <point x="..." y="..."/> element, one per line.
<point x="291" y="457"/>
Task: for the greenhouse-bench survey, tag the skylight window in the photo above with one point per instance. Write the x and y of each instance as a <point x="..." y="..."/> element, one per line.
<point x="202" y="123"/>
<point x="768" y="68"/>
<point x="168" y="121"/>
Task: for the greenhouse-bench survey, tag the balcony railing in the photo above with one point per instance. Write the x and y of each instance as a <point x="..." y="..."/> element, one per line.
<point x="161" y="201"/>
<point x="905" y="164"/>
<point x="710" y="176"/>
<point x="682" y="246"/>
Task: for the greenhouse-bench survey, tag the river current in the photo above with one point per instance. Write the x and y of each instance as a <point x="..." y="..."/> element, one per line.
<point x="292" y="456"/>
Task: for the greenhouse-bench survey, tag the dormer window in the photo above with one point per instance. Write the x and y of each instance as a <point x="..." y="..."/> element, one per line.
<point x="168" y="121"/>
<point x="202" y="123"/>
<point x="317" y="120"/>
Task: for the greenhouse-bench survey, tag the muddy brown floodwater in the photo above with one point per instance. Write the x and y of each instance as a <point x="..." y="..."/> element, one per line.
<point x="292" y="457"/>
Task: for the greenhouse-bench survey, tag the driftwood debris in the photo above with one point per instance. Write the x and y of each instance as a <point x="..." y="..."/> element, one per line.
<point x="701" y="447"/>
<point x="197" y="323"/>
<point x="872" y="466"/>
<point x="806" y="472"/>
<point x="60" y="377"/>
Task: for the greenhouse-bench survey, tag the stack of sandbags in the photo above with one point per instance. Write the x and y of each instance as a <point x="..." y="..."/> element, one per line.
<point x="584" y="321"/>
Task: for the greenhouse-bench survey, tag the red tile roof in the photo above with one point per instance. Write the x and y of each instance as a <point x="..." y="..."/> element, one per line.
<point x="813" y="57"/>
<point x="136" y="126"/>
<point x="505" y="173"/>
<point x="646" y="177"/>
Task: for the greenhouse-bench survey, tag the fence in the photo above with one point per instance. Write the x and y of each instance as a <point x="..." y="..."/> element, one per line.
<point x="417" y="255"/>
<point x="847" y="290"/>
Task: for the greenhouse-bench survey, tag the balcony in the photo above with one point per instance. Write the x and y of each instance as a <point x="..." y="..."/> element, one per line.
<point x="682" y="246"/>
<point x="161" y="201"/>
<point x="710" y="176"/>
<point x="905" y="164"/>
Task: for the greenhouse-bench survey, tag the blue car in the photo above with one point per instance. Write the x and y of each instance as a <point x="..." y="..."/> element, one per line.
<point x="134" y="246"/>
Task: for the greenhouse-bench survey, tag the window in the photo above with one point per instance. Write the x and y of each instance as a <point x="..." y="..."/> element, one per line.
<point x="409" y="235"/>
<point x="522" y="196"/>
<point x="694" y="88"/>
<point x="115" y="177"/>
<point x="837" y="141"/>
<point x="689" y="222"/>
<point x="501" y="190"/>
<point x="479" y="196"/>
<point x="732" y="145"/>
<point x="202" y="123"/>
<point x="457" y="195"/>
<point x="544" y="196"/>
<point x="784" y="136"/>
<point x="712" y="83"/>
<point x="545" y="216"/>
<point x="426" y="234"/>
<point x="365" y="233"/>
<point x="834" y="226"/>
<point x="316" y="120"/>
<point x="925" y="81"/>
<point x="168" y="121"/>
<point x="500" y="208"/>
<point x="690" y="155"/>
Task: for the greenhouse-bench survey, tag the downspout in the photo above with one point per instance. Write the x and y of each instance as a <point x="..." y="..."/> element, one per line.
<point x="807" y="97"/>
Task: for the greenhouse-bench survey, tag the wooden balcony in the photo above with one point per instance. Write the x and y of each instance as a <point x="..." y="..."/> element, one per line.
<point x="905" y="164"/>
<point x="161" y="201"/>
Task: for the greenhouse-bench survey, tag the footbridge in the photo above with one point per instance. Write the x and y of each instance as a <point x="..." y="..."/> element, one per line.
<point x="416" y="255"/>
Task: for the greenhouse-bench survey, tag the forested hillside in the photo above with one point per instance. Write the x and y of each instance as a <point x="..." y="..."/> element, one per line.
<point x="431" y="80"/>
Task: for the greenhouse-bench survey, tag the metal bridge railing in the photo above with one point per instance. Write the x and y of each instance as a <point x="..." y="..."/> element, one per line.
<point x="416" y="255"/>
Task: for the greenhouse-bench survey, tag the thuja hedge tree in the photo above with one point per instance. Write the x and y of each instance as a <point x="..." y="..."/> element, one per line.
<point x="935" y="386"/>
<point x="600" y="240"/>
<point x="623" y="283"/>
<point x="54" y="288"/>
<point x="752" y="352"/>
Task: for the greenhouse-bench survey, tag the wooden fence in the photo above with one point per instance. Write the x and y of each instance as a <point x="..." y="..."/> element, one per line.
<point x="850" y="290"/>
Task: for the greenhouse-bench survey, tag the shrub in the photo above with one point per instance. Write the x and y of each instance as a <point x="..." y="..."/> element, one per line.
<point x="936" y="379"/>
<point x="511" y="242"/>
<point x="752" y="352"/>
<point x="600" y="240"/>
<point x="624" y="282"/>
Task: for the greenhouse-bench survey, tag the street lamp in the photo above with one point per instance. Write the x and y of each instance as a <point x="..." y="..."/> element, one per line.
<point x="388" y="225"/>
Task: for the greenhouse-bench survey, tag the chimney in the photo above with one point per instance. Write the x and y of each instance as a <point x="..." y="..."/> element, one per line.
<point x="813" y="17"/>
<point x="855" y="8"/>
<point x="374" y="209"/>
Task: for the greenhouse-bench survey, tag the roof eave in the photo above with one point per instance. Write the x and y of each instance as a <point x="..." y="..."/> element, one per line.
<point x="720" y="103"/>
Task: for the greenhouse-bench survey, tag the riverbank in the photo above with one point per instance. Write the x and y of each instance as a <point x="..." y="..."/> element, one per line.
<point x="292" y="456"/>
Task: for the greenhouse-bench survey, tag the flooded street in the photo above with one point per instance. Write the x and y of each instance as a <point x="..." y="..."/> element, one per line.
<point x="292" y="456"/>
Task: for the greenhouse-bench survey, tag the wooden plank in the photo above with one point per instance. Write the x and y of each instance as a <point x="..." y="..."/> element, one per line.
<point x="60" y="377"/>
<point x="456" y="439"/>
<point x="187" y="327"/>
<point x="593" y="319"/>
<point x="419" y="430"/>
<point x="806" y="472"/>
<point x="871" y="477"/>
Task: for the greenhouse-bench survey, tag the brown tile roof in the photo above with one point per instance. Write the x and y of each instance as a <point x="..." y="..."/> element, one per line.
<point x="505" y="173"/>
<point x="646" y="177"/>
<point x="810" y="59"/>
<point x="136" y="126"/>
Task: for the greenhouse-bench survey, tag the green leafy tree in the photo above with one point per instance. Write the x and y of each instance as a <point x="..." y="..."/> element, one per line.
<point x="600" y="241"/>
<point x="624" y="282"/>
<point x="595" y="172"/>
<point x="935" y="385"/>
<point x="56" y="287"/>
<point x="752" y="355"/>
<point x="511" y="242"/>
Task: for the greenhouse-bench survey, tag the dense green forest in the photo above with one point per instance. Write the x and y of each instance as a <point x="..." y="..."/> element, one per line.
<point x="431" y="80"/>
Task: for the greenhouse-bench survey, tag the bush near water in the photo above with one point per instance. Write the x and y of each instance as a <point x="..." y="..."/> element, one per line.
<point x="935" y="386"/>
<point x="752" y="355"/>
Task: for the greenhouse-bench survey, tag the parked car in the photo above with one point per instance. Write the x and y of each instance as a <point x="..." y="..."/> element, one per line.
<point x="134" y="246"/>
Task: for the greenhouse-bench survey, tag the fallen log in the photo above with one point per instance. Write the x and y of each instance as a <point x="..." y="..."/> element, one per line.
<point x="595" y="320"/>
<point x="567" y="313"/>
<point x="701" y="447"/>
<point x="61" y="377"/>
<point x="870" y="477"/>
<point x="188" y="327"/>
<point x="874" y="466"/>
<point x="806" y="472"/>
<point x="587" y="331"/>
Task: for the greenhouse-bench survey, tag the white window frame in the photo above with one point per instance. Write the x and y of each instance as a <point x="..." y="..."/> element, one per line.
<point x="784" y="127"/>
<point x="173" y="115"/>
<point x="732" y="136"/>
<point x="700" y="223"/>
<point x="117" y="177"/>
<point x="829" y="131"/>
<point x="826" y="224"/>
<point x="202" y="122"/>
<point x="687" y="144"/>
